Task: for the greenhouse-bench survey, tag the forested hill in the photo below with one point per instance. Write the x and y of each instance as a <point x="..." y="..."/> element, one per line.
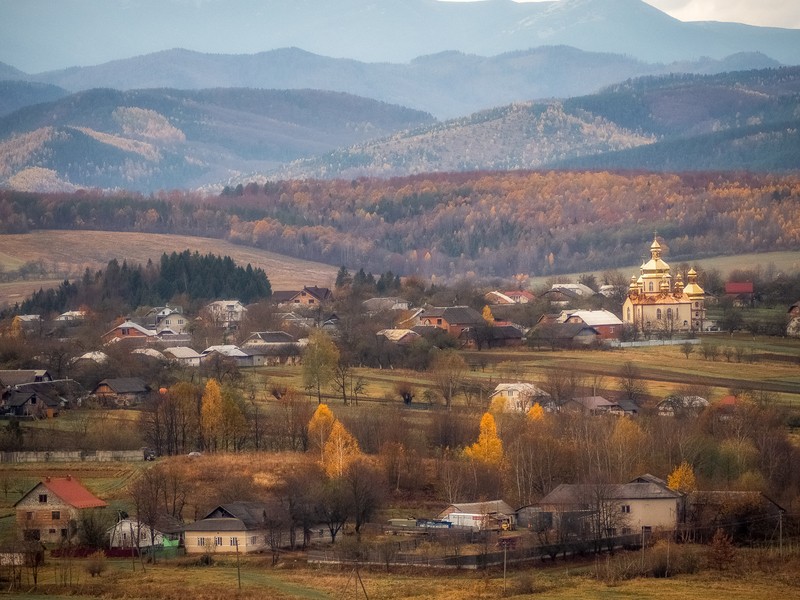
<point x="450" y="225"/>
<point x="189" y="275"/>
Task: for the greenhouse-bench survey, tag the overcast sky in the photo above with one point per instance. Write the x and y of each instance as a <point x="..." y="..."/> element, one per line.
<point x="765" y="13"/>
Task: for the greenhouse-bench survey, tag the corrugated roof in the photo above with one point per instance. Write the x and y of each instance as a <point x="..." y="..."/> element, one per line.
<point x="126" y="385"/>
<point x="582" y="494"/>
<point x="182" y="352"/>
<point x="489" y="507"/>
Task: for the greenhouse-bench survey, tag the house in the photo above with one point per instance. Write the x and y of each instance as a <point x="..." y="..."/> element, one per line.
<point x="401" y="337"/>
<point x="564" y="335"/>
<point x="183" y="355"/>
<point x="128" y="331"/>
<point x="378" y="305"/>
<point x="226" y="314"/>
<point x="71" y="316"/>
<point x="607" y="324"/>
<point x="308" y="296"/>
<point x="488" y="515"/>
<point x="452" y="319"/>
<point x="14" y="377"/>
<point x="132" y="533"/>
<point x="27" y="401"/>
<point x="681" y="406"/>
<point x="238" y="526"/>
<point x="497" y="335"/>
<point x="605" y="510"/>
<point x="93" y="357"/>
<point x="520" y="296"/>
<point x="498" y="298"/>
<point x="25" y="324"/>
<point x="121" y="391"/>
<point x="657" y="304"/>
<point x="268" y="339"/>
<point x="740" y="293"/>
<point x="227" y="351"/>
<point x="594" y="406"/>
<point x="518" y="397"/>
<point x="51" y="510"/>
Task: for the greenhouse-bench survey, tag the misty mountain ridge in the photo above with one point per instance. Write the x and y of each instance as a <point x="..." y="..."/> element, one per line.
<point x="390" y="30"/>
<point x="447" y="84"/>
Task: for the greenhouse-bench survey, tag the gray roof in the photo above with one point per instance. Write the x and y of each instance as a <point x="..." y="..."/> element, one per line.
<point x="217" y="524"/>
<point x="251" y="514"/>
<point x="584" y="494"/>
<point x="489" y="507"/>
<point x="126" y="385"/>
<point x="270" y="337"/>
<point x="12" y="377"/>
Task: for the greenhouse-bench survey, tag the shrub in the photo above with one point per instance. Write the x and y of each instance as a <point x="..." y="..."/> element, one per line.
<point x="96" y="563"/>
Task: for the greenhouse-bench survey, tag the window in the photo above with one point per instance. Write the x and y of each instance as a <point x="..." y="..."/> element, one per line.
<point x="685" y="323"/>
<point x="234" y="541"/>
<point x="55" y="515"/>
<point x="51" y="531"/>
<point x="201" y="541"/>
<point x="311" y="301"/>
<point x="42" y="498"/>
<point x="29" y="516"/>
<point x="658" y="314"/>
<point x="438" y="321"/>
<point x="626" y="508"/>
<point x="650" y="286"/>
<point x="669" y="314"/>
<point x="218" y="541"/>
<point x="253" y="540"/>
<point x="629" y="314"/>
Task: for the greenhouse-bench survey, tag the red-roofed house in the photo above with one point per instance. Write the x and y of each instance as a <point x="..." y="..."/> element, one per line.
<point x="741" y="292"/>
<point x="51" y="510"/>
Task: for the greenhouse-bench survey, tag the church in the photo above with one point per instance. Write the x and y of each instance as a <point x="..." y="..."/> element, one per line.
<point x="658" y="304"/>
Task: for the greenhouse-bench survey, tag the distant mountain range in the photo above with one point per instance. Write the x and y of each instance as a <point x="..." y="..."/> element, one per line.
<point x="447" y="85"/>
<point x="166" y="139"/>
<point x="745" y="121"/>
<point x="369" y="30"/>
<point x="608" y="90"/>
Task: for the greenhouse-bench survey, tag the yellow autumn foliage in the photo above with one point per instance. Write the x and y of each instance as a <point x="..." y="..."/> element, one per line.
<point x="489" y="448"/>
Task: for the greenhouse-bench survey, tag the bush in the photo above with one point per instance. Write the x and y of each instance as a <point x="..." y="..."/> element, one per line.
<point x="96" y="563"/>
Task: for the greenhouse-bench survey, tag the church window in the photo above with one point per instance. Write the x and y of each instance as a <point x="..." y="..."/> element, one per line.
<point x="669" y="314"/>
<point x="650" y="287"/>
<point x="629" y="314"/>
<point x="685" y="323"/>
<point x="658" y="314"/>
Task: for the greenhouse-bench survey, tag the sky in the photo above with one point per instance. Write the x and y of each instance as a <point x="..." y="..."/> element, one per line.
<point x="764" y="13"/>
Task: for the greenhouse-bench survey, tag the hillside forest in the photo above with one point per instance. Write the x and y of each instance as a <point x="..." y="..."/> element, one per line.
<point x="453" y="225"/>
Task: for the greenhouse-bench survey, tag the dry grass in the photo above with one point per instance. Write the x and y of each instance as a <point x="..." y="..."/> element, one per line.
<point x="71" y="252"/>
<point x="293" y="579"/>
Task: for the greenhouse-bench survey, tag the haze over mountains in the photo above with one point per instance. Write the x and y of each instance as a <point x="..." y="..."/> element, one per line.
<point x="505" y="100"/>
<point x="87" y="32"/>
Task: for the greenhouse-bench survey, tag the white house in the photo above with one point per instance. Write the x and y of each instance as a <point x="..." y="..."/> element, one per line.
<point x="226" y="313"/>
<point x="519" y="397"/>
<point x="183" y="355"/>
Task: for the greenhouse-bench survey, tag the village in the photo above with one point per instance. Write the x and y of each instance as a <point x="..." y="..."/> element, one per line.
<point x="409" y="433"/>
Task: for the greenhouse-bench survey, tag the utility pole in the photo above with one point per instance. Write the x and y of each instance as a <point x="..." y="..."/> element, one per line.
<point x="780" y="533"/>
<point x="238" y="571"/>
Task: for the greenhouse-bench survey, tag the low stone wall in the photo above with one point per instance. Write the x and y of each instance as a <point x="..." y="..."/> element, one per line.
<point x="72" y="456"/>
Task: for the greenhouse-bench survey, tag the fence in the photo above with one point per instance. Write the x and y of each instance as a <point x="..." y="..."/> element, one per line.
<point x="72" y="456"/>
<point x="403" y="553"/>
<point x="648" y="343"/>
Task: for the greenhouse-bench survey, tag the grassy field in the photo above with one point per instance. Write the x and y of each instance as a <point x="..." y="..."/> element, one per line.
<point x="71" y="252"/>
<point x="580" y="580"/>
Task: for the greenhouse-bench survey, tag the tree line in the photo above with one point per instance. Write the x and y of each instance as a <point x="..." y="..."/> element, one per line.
<point x="497" y="224"/>
<point x="189" y="275"/>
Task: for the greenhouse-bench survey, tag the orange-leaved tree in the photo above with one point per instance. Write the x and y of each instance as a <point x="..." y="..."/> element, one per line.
<point x="488" y="450"/>
<point x="340" y="450"/>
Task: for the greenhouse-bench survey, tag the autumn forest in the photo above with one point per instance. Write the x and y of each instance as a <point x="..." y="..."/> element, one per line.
<point x="451" y="225"/>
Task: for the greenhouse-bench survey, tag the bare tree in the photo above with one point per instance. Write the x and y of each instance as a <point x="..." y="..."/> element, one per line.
<point x="448" y="370"/>
<point x="631" y="383"/>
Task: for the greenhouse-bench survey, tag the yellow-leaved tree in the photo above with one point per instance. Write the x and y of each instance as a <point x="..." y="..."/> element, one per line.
<point x="211" y="415"/>
<point x="682" y="479"/>
<point x="536" y="413"/>
<point x="487" y="315"/>
<point x="340" y="450"/>
<point x="319" y="428"/>
<point x="488" y="450"/>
